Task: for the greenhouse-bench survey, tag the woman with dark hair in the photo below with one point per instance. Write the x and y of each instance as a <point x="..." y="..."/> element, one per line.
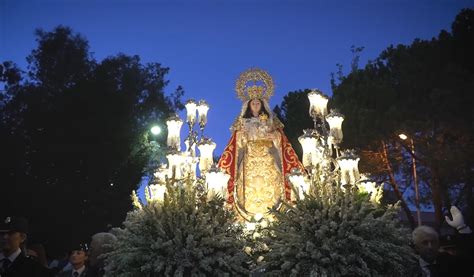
<point x="258" y="156"/>
<point x="259" y="107"/>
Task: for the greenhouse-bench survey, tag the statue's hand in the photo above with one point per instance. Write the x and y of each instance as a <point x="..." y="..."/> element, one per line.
<point x="457" y="221"/>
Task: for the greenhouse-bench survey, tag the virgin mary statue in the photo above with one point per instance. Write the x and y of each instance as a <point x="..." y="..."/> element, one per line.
<point x="258" y="155"/>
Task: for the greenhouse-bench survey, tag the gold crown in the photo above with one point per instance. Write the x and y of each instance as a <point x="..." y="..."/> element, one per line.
<point x="255" y="92"/>
<point x="247" y="87"/>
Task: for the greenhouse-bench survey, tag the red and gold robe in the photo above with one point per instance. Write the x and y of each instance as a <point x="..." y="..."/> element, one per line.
<point x="287" y="160"/>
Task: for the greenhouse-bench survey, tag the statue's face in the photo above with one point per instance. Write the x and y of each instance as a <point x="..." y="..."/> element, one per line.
<point x="255" y="106"/>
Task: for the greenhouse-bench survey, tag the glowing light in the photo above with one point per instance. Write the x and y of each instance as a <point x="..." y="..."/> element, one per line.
<point x="202" y="108"/>
<point x="156" y="192"/>
<point x="155" y="130"/>
<point x="162" y="173"/>
<point x="349" y="165"/>
<point x="174" y="124"/>
<point x="369" y="186"/>
<point x="175" y="164"/>
<point x="309" y="142"/>
<point x="317" y="103"/>
<point x="206" y="148"/>
<point x="335" y="119"/>
<point x="258" y="216"/>
<point x="216" y="181"/>
<point x="191" y="111"/>
<point x="299" y="182"/>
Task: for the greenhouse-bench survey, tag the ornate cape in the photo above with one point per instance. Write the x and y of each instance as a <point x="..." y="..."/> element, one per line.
<point x="229" y="158"/>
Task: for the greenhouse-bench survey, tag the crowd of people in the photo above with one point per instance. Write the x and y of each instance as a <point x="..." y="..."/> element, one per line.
<point x="19" y="260"/>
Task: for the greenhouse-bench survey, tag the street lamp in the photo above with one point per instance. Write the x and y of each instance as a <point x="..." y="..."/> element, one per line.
<point x="349" y="165"/>
<point x="317" y="103"/>
<point x="335" y="119"/>
<point x="309" y="143"/>
<point x="202" y="109"/>
<point x="216" y="181"/>
<point x="415" y="179"/>
<point x="206" y="147"/>
<point x="191" y="111"/>
<point x="174" y="124"/>
<point x="155" y="130"/>
<point x="298" y="180"/>
<point x="403" y="136"/>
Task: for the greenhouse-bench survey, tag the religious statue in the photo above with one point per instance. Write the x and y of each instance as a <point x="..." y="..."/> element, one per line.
<point x="258" y="155"/>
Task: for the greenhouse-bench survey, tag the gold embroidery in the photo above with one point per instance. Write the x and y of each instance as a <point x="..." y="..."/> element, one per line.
<point x="259" y="183"/>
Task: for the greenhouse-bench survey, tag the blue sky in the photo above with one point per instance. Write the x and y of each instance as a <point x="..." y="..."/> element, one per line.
<point x="207" y="44"/>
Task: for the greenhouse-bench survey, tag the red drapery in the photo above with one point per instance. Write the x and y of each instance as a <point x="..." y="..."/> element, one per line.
<point x="228" y="162"/>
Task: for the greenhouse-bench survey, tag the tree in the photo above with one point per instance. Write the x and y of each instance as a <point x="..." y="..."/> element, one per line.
<point x="293" y="112"/>
<point x="75" y="136"/>
<point x="422" y="90"/>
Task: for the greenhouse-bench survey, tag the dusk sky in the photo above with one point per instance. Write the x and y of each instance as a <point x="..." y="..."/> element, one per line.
<point x="206" y="44"/>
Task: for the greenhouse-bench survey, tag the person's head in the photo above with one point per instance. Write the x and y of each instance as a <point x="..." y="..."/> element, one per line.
<point x="31" y="253"/>
<point x="38" y="251"/>
<point x="101" y="243"/>
<point x="254" y="108"/>
<point x="14" y="233"/>
<point x="78" y="256"/>
<point x="426" y="242"/>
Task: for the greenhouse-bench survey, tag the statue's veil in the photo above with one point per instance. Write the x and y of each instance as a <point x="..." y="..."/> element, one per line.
<point x="237" y="123"/>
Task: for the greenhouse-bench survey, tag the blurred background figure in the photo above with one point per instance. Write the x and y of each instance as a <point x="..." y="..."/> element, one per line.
<point x="59" y="263"/>
<point x="78" y="260"/>
<point x="38" y="251"/>
<point x="14" y="261"/>
<point x="101" y="243"/>
<point x="434" y="263"/>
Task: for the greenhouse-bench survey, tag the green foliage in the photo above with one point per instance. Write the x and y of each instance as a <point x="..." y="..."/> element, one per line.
<point x="336" y="233"/>
<point x="181" y="236"/>
<point x="70" y="127"/>
<point x="423" y="90"/>
<point x="293" y="113"/>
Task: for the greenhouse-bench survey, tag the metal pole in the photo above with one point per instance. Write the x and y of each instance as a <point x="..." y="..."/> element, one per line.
<point x="415" y="180"/>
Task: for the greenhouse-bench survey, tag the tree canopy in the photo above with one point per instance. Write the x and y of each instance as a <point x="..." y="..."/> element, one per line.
<point x="74" y="136"/>
<point x="423" y="90"/>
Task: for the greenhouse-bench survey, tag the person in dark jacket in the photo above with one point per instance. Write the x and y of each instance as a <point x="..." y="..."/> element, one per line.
<point x="78" y="259"/>
<point x="13" y="260"/>
<point x="434" y="263"/>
